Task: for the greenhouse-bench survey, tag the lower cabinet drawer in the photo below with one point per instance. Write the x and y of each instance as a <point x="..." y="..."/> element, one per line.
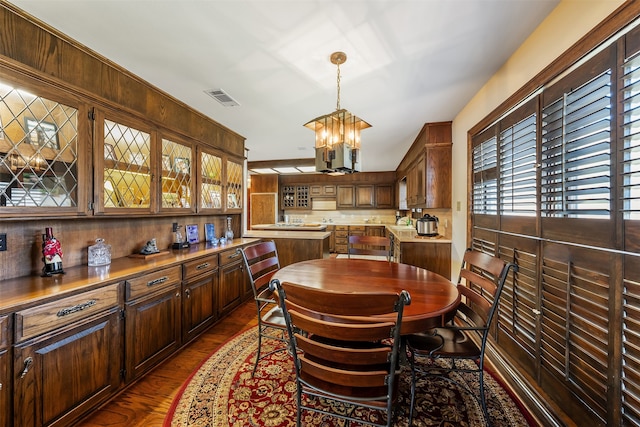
<point x="232" y="255"/>
<point x="153" y="282"/>
<point x="199" y="266"/>
<point x="53" y="315"/>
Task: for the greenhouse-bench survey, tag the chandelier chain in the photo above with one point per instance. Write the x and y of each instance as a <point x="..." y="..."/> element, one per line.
<point x="338" y="81"/>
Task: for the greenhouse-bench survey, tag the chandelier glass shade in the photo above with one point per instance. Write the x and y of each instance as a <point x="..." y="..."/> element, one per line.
<point x="337" y="135"/>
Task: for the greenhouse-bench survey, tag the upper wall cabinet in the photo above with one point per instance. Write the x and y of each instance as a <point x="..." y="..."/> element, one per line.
<point x="40" y="153"/>
<point x="221" y="178"/>
<point x="124" y="155"/>
<point x="177" y="164"/>
<point x="234" y="175"/>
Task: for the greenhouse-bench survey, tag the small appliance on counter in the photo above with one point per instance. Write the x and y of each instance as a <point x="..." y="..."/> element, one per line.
<point x="427" y="225"/>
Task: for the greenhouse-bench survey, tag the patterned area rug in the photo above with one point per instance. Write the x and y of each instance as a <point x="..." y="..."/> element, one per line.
<point x="221" y="392"/>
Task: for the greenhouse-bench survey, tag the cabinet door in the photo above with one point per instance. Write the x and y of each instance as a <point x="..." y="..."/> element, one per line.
<point x="5" y="385"/>
<point x="177" y="183"/>
<point x="365" y="196"/>
<point x="232" y="286"/>
<point x="438" y="177"/>
<point x="345" y="196"/>
<point x="375" y="230"/>
<point x="152" y="330"/>
<point x="235" y="178"/>
<point x="124" y="156"/>
<point x="58" y="377"/>
<point x="210" y="181"/>
<point x="199" y="305"/>
<point x="384" y="196"/>
<point x="44" y="165"/>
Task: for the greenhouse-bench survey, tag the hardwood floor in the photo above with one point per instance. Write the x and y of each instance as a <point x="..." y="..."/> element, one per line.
<point x="146" y="402"/>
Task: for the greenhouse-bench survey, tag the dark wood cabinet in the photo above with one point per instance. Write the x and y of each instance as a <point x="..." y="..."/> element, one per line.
<point x="322" y="190"/>
<point x="5" y="383"/>
<point x="152" y="325"/>
<point x="69" y="358"/>
<point x="365" y="196"/>
<point x="345" y="197"/>
<point x="232" y="286"/>
<point x="199" y="301"/>
<point x="384" y="196"/>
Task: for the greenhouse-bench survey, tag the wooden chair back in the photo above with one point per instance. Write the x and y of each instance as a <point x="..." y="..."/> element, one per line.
<point x="261" y="261"/>
<point x="345" y="345"/>
<point x="369" y="245"/>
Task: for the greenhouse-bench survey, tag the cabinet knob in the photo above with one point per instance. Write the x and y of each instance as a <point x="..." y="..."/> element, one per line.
<point x="187" y="293"/>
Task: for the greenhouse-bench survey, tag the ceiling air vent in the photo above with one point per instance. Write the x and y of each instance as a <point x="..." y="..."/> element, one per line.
<point x="222" y="97"/>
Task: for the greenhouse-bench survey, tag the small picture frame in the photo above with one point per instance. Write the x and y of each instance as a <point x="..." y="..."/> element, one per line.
<point x="216" y="199"/>
<point x="109" y="152"/>
<point x="209" y="232"/>
<point x="43" y="134"/>
<point x="232" y="201"/>
<point x="166" y="162"/>
<point x="192" y="233"/>
<point x="181" y="165"/>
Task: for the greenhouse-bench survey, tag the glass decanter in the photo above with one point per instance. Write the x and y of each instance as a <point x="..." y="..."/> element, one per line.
<point x="229" y="233"/>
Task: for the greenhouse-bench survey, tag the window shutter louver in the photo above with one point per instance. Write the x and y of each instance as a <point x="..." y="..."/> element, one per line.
<point x="576" y="152"/>
<point x="631" y="140"/>
<point x="485" y="179"/>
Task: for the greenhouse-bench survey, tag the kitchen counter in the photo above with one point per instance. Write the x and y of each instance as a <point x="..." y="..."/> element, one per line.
<point x="285" y="234"/>
<point x="291" y="227"/>
<point x="295" y="246"/>
<point x="405" y="234"/>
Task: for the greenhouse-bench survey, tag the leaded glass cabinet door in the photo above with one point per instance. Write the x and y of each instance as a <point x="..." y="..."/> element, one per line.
<point x="234" y="185"/>
<point x="39" y="164"/>
<point x="126" y="155"/>
<point x="177" y="171"/>
<point x="210" y="181"/>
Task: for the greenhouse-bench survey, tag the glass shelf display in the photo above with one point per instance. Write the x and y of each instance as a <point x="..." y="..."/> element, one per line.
<point x="127" y="169"/>
<point x="211" y="184"/>
<point x="38" y="151"/>
<point x="177" y="166"/>
<point x="234" y="185"/>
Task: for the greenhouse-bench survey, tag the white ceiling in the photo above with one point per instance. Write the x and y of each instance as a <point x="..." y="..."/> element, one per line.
<point x="409" y="61"/>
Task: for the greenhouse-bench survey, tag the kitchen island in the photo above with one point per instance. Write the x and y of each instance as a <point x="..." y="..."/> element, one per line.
<point x="295" y="246"/>
<point x="430" y="252"/>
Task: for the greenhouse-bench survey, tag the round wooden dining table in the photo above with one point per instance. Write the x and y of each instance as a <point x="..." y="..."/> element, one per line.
<point x="433" y="298"/>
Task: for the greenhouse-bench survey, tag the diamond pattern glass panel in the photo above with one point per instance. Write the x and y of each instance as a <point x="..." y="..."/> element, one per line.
<point x="211" y="197"/>
<point x="176" y="175"/>
<point x="38" y="151"/>
<point x="127" y="175"/>
<point x="234" y="185"/>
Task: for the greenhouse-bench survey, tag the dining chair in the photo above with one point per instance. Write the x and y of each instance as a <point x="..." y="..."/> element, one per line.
<point x="344" y="350"/>
<point x="369" y="247"/>
<point x="261" y="262"/>
<point x="480" y="283"/>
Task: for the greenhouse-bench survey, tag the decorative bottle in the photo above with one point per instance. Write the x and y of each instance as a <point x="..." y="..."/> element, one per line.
<point x="51" y="254"/>
<point x="229" y="233"/>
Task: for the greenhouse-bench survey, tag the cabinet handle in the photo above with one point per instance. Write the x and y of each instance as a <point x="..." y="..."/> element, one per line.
<point x="187" y="293"/>
<point x="157" y="281"/>
<point x="27" y="364"/>
<point x="235" y="255"/>
<point x="536" y="312"/>
<point x="203" y="265"/>
<point x="76" y="308"/>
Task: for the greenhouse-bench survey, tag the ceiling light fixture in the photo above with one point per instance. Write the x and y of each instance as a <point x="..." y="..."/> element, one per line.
<point x="338" y="135"/>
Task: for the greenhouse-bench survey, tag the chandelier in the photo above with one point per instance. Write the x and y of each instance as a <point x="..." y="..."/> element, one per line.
<point x="338" y="135"/>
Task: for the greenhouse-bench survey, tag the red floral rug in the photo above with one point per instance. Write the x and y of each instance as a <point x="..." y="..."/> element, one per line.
<point x="221" y="392"/>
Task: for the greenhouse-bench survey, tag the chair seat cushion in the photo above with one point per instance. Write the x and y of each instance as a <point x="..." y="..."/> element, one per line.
<point x="443" y="342"/>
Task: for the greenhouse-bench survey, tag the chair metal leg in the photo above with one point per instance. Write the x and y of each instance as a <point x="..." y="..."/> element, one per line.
<point x="413" y="388"/>
<point x="255" y="365"/>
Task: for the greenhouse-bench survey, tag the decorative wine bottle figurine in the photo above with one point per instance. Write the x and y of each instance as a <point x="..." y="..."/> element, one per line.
<point x="229" y="233"/>
<point x="51" y="254"/>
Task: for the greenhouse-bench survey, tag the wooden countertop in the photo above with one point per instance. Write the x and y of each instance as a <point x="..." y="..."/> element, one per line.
<point x="283" y="234"/>
<point x="406" y="234"/>
<point x="291" y="227"/>
<point x="21" y="292"/>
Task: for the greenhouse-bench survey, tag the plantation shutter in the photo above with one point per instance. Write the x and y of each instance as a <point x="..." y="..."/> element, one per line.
<point x="485" y="177"/>
<point x="576" y="151"/>
<point x="631" y="139"/>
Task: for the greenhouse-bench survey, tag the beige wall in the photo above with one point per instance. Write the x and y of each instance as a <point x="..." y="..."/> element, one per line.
<point x="564" y="26"/>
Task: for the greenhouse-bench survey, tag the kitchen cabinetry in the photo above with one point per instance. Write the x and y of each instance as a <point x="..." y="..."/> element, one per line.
<point x="199" y="309"/>
<point x="365" y="196"/>
<point x="295" y="197"/>
<point x="384" y="196"/>
<point x="427" y="168"/>
<point x="177" y="164"/>
<point x="342" y="234"/>
<point x="322" y="190"/>
<point x="332" y="238"/>
<point x="5" y="383"/>
<point x="434" y="257"/>
<point x="233" y="280"/>
<point x="345" y="197"/>
<point x="151" y="300"/>
<point x="67" y="357"/>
